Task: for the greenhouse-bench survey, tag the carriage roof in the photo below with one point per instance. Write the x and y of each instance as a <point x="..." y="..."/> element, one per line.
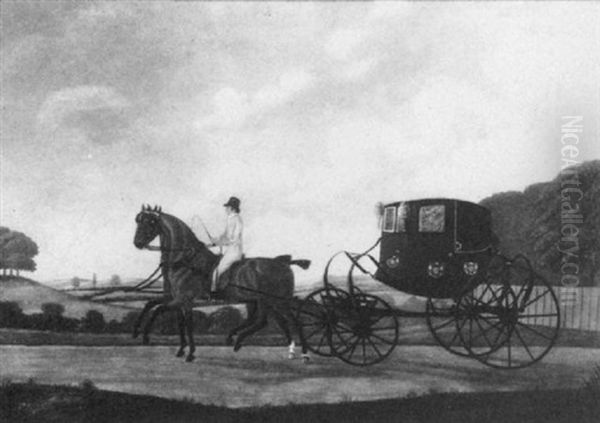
<point x="436" y="215"/>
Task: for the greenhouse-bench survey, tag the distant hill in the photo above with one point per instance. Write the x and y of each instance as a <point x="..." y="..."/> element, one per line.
<point x="30" y="295"/>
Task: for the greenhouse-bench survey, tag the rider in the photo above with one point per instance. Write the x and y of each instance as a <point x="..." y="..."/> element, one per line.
<point x="230" y="241"/>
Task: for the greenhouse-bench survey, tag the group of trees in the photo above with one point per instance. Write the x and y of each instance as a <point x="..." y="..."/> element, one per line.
<point x="554" y="223"/>
<point x="52" y="318"/>
<point x="16" y="252"/>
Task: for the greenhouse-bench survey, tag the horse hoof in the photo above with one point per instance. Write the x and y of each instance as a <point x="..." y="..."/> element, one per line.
<point x="180" y="353"/>
<point x="237" y="347"/>
<point x="305" y="359"/>
<point x="189" y="358"/>
<point x="291" y="356"/>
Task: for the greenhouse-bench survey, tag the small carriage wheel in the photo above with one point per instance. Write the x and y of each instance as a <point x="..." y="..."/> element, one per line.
<point x="442" y="322"/>
<point x="315" y="318"/>
<point x="529" y="317"/>
<point x="482" y="322"/>
<point x="368" y="330"/>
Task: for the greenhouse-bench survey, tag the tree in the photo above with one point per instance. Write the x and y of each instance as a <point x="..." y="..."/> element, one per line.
<point x="16" y="251"/>
<point x="11" y="315"/>
<point x="52" y="316"/>
<point x="93" y="322"/>
<point x="75" y="282"/>
<point x="537" y="223"/>
<point x="115" y="280"/>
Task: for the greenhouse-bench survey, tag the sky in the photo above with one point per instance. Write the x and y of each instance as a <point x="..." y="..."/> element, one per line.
<point x="309" y="112"/>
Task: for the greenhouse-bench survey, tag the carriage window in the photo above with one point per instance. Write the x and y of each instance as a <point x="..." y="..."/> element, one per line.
<point x="401" y="220"/>
<point x="431" y="219"/>
<point x="389" y="219"/>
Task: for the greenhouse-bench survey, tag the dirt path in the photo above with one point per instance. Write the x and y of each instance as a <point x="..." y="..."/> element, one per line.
<point x="263" y="375"/>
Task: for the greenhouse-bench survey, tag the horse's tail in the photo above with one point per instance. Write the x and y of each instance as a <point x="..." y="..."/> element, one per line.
<point x="287" y="259"/>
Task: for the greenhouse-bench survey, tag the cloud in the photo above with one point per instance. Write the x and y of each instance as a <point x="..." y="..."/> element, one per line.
<point x="95" y="109"/>
<point x="232" y="108"/>
<point x="343" y="43"/>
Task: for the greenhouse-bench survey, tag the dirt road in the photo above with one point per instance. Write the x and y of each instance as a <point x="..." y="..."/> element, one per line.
<point x="263" y="375"/>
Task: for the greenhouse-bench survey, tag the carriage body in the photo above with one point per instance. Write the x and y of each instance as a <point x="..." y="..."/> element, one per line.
<point x="434" y="247"/>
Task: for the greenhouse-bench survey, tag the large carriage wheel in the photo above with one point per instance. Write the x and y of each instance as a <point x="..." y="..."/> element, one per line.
<point x="443" y="321"/>
<point x="316" y="319"/>
<point x="367" y="328"/>
<point x="524" y="313"/>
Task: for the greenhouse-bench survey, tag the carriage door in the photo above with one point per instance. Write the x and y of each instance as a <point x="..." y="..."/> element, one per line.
<point x="472" y="231"/>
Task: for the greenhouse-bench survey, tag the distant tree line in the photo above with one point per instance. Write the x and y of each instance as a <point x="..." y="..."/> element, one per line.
<point x="52" y="319"/>
<point x="555" y="224"/>
<point x="16" y="252"/>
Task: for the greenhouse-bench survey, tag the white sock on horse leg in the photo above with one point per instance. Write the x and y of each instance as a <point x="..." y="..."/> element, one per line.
<point x="292" y="350"/>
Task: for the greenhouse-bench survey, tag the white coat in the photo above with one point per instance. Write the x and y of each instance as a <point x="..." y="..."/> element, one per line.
<point x="231" y="242"/>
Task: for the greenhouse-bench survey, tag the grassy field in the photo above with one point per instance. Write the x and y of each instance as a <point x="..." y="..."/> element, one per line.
<point x="412" y="332"/>
<point x="46" y="403"/>
<point x="38" y="337"/>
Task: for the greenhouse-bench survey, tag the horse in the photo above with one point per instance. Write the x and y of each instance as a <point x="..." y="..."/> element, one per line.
<point x="265" y="285"/>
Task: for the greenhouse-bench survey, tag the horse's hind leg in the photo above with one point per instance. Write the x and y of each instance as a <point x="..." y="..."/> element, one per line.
<point x="283" y="323"/>
<point x="250" y="318"/>
<point x="260" y="321"/>
<point x="189" y="325"/>
<point x="181" y="327"/>
<point x="138" y="322"/>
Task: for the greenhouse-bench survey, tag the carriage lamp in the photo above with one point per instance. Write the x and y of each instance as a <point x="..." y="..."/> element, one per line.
<point x="470" y="268"/>
<point x="436" y="269"/>
<point x="393" y="262"/>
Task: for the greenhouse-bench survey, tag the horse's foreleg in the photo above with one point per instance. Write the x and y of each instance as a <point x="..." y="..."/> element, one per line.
<point x="248" y="321"/>
<point x="260" y="321"/>
<point x="189" y="323"/>
<point x="158" y="310"/>
<point x="181" y="327"/>
<point x="149" y="305"/>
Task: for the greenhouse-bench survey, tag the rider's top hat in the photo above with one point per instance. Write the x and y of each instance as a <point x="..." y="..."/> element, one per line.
<point x="233" y="202"/>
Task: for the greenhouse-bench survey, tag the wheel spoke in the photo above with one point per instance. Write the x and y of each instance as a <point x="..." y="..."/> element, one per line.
<point x="364" y="351"/>
<point x="353" y="348"/>
<point x="384" y="328"/>
<point x="321" y="341"/>
<point x="509" y="353"/>
<point x="313" y="332"/>
<point x="483" y="332"/>
<point x="381" y="338"/>
<point x="535" y="331"/>
<point x="523" y="316"/>
<point x="375" y="347"/>
<point x="536" y="298"/>
<point x="449" y="322"/>
<point x="524" y="344"/>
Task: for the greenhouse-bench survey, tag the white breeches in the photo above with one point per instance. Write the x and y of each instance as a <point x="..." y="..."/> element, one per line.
<point x="230" y="256"/>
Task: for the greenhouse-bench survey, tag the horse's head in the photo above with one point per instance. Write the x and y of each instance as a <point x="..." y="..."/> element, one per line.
<point x="148" y="226"/>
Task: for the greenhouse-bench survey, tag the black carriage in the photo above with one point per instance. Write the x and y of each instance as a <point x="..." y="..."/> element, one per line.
<point x="479" y="303"/>
<point x="434" y="247"/>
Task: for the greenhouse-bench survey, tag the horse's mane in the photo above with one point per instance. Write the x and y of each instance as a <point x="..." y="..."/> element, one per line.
<point x="189" y="234"/>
